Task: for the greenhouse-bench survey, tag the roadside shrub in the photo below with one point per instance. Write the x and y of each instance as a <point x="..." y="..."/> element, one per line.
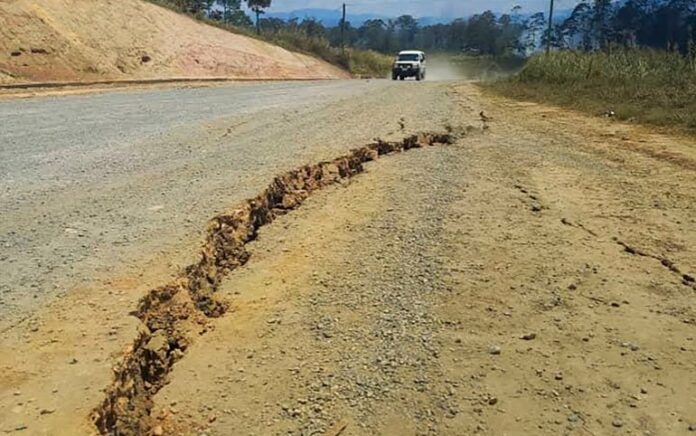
<point x="617" y="67"/>
<point x="368" y="63"/>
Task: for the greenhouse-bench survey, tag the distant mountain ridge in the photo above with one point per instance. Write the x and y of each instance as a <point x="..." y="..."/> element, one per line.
<point x="332" y="17"/>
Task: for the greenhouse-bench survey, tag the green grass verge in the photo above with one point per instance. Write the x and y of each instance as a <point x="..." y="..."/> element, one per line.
<point x="645" y="86"/>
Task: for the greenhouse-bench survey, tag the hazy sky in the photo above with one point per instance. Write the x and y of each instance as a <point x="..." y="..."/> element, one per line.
<point x="433" y="8"/>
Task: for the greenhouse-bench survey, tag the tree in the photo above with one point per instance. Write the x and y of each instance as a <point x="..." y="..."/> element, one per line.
<point x="481" y="32"/>
<point x="576" y="30"/>
<point x="457" y="34"/>
<point x="258" y="7"/>
<point x="407" y="28"/>
<point x="372" y="34"/>
<point x="313" y="28"/>
<point x="533" y="29"/>
<point x="273" y="25"/>
<point x="233" y="14"/>
<point x="601" y="21"/>
<point x="507" y="42"/>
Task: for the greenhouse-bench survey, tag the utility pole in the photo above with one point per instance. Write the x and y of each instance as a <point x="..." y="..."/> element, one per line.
<point x="343" y="29"/>
<point x="550" y="31"/>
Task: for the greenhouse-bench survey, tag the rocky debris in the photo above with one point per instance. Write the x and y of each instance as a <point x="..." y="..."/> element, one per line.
<point x="631" y="346"/>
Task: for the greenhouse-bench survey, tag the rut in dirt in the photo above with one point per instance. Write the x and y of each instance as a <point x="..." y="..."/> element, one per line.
<point x="173" y="314"/>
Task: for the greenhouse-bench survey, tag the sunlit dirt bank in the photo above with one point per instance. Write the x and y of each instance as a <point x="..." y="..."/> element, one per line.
<point x="97" y="40"/>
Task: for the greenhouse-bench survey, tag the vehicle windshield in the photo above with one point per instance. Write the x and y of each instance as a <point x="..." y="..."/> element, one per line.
<point x="409" y="57"/>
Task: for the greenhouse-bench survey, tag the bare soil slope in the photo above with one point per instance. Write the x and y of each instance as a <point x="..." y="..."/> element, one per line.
<point x="77" y="40"/>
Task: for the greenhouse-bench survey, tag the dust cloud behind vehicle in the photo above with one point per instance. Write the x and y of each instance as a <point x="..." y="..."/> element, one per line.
<point x="453" y="67"/>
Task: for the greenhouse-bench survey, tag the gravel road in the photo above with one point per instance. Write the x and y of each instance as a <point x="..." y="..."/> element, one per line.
<point x="89" y="183"/>
<point x="477" y="288"/>
<point x="536" y="277"/>
<point x="93" y="227"/>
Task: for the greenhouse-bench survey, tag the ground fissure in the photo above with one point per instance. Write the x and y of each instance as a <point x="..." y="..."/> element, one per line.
<point x="172" y="314"/>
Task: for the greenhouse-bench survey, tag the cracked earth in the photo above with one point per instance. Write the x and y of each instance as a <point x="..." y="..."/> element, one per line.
<point x="535" y="276"/>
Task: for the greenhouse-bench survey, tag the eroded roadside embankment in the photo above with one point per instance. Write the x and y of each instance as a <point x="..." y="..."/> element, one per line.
<point x="171" y="315"/>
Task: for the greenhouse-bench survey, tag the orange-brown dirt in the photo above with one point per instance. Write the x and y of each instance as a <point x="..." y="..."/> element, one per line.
<point x="77" y="40"/>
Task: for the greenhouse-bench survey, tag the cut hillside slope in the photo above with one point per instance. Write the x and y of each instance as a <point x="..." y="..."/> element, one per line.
<point x="79" y="40"/>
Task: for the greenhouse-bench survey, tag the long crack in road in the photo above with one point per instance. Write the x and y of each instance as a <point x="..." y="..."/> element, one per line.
<point x="533" y="277"/>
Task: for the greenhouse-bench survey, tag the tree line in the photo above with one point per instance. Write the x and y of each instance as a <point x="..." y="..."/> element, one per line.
<point x="483" y="33"/>
<point x="592" y="25"/>
<point x="661" y="24"/>
<point x="227" y="11"/>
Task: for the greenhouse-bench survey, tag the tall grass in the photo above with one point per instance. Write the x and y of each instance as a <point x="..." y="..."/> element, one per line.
<point x="648" y="86"/>
<point x="369" y="63"/>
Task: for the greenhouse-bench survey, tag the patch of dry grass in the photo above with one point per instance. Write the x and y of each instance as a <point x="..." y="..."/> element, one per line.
<point x="645" y="86"/>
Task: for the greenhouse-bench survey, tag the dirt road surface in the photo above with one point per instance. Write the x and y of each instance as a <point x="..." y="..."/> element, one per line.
<point x="534" y="277"/>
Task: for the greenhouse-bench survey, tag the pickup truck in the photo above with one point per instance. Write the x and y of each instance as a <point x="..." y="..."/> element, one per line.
<point x="409" y="63"/>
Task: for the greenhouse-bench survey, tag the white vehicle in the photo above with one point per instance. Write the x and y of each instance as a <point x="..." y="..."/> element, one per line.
<point x="409" y="63"/>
